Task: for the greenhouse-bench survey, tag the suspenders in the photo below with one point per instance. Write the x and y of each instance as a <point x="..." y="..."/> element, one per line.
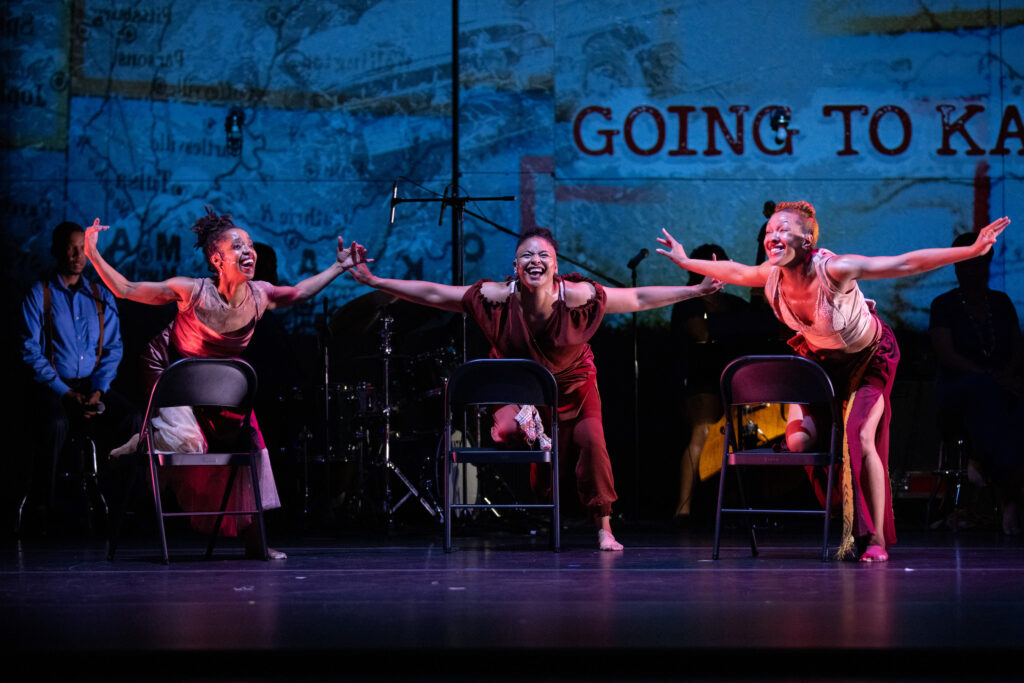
<point x="49" y="329"/>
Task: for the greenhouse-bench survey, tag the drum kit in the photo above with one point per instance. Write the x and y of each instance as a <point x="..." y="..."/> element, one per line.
<point x="379" y="401"/>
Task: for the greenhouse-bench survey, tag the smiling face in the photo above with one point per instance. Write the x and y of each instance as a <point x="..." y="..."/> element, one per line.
<point x="536" y="262"/>
<point x="234" y="253"/>
<point x="787" y="239"/>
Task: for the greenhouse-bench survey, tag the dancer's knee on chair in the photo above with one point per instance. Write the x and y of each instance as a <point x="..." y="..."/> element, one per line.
<point x="505" y="429"/>
<point x="801" y="431"/>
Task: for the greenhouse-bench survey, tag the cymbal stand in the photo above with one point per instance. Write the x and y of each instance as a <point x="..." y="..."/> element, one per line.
<point x="389" y="466"/>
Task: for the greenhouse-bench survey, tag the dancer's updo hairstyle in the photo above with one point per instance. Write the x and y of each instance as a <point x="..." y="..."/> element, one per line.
<point x="208" y="230"/>
<point x="806" y="210"/>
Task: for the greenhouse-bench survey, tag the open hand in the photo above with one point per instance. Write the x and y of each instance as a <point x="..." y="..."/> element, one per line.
<point x="987" y="235"/>
<point x="351" y="257"/>
<point x="92" y="236"/>
<point x="675" y="251"/>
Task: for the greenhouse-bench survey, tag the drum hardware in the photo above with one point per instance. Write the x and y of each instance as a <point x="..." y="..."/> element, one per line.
<point x="366" y="423"/>
<point x="389" y="466"/>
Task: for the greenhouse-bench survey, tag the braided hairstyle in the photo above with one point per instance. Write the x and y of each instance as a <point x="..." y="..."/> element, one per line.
<point x="208" y="229"/>
<point x="805" y="210"/>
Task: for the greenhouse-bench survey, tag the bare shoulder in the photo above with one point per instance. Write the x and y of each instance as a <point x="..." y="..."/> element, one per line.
<point x="182" y="286"/>
<point x="843" y="267"/>
<point x="495" y="292"/>
<point x="266" y="290"/>
<point x="578" y="293"/>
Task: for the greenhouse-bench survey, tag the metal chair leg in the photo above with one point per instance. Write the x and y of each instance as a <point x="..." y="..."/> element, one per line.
<point x="743" y="503"/>
<point x="718" y="510"/>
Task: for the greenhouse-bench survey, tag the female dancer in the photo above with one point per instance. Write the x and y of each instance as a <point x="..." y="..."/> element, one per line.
<point x="550" y="318"/>
<point x="216" y="318"/>
<point x="815" y="293"/>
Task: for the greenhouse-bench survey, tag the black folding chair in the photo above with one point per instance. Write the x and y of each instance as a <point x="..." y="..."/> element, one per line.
<point x="203" y="382"/>
<point x="752" y="380"/>
<point x="494" y="382"/>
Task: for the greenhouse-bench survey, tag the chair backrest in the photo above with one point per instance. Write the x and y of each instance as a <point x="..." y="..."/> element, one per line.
<point x="223" y="382"/>
<point x="777" y="379"/>
<point x="492" y="381"/>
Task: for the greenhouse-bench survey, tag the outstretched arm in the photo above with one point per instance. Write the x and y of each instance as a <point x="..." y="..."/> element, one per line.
<point x="632" y="299"/>
<point x="728" y="272"/>
<point x="292" y="294"/>
<point x="446" y="297"/>
<point x="853" y="267"/>
<point x="154" y="293"/>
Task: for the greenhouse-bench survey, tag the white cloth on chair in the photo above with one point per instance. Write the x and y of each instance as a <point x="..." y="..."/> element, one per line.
<point x="177" y="431"/>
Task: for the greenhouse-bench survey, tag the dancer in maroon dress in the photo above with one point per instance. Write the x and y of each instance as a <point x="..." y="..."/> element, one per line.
<point x="549" y="318"/>
<point x="216" y="318"/>
<point x="815" y="293"/>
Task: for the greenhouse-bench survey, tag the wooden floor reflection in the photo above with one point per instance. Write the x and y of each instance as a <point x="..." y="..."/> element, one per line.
<point x="374" y="606"/>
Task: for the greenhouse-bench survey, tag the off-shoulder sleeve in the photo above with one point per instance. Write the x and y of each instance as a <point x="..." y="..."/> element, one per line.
<point x="586" y="318"/>
<point x="485" y="312"/>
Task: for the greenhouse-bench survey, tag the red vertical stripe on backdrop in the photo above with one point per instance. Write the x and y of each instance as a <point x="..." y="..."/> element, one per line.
<point x="528" y="167"/>
<point x="982" y="192"/>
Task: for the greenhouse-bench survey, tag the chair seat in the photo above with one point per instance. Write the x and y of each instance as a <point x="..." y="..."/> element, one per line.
<point x="480" y="383"/>
<point x="769" y="456"/>
<point x="196" y="459"/>
<point x="221" y="383"/>
<point x="475" y="455"/>
<point x="775" y="379"/>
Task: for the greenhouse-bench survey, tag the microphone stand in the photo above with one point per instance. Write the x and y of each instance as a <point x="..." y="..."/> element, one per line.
<point x="457" y="234"/>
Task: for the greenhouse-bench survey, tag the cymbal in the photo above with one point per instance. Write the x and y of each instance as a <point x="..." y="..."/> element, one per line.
<point x="359" y="315"/>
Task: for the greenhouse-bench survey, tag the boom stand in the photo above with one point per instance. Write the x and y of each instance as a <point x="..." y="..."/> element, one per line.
<point x="458" y="204"/>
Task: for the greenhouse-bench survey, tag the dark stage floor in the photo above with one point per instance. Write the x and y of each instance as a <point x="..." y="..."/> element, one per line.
<point x="379" y="606"/>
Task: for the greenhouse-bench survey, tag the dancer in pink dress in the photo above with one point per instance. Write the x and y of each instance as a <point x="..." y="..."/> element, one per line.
<point x="815" y="293"/>
<point x="216" y="318"/>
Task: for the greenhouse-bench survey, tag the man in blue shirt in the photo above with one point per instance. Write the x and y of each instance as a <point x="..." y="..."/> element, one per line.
<point x="71" y="345"/>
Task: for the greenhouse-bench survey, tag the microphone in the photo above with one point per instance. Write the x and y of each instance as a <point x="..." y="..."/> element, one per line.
<point x="394" y="201"/>
<point x="635" y="261"/>
<point x="444" y="201"/>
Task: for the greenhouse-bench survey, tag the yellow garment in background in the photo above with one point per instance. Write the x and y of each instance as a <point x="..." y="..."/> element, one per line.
<point x="770" y="419"/>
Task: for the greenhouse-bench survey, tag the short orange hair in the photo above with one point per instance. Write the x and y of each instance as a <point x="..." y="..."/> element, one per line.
<point x="806" y="211"/>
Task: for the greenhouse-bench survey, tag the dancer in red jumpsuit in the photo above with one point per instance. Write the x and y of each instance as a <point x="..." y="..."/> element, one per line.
<point x="550" y="318"/>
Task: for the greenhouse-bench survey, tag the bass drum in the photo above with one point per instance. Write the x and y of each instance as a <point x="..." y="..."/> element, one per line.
<point x="419" y="409"/>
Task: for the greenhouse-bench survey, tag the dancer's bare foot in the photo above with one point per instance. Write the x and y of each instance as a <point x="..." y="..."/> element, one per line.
<point x="252" y="547"/>
<point x="130" y="447"/>
<point x="606" y="541"/>
<point x="874" y="553"/>
<point x="272" y="554"/>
